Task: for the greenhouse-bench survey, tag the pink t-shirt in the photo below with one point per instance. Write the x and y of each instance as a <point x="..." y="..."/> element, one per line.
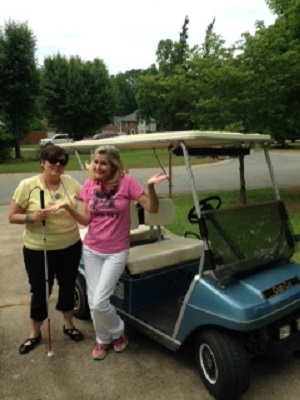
<point x="109" y="228"/>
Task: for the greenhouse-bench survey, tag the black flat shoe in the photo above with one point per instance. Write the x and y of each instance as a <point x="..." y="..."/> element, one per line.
<point x="29" y="344"/>
<point x="74" y="334"/>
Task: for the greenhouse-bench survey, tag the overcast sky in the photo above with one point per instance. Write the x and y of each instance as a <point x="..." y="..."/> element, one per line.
<point x="125" y="34"/>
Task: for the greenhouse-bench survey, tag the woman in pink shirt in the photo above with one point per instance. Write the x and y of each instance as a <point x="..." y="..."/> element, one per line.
<point x="107" y="195"/>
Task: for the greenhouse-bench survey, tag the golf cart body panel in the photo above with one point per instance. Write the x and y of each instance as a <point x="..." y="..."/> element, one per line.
<point x="231" y="288"/>
<point x="241" y="306"/>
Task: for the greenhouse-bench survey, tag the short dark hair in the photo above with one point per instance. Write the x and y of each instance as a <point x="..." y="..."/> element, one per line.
<point x="53" y="151"/>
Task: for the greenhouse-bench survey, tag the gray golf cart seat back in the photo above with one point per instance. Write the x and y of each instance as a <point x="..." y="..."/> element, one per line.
<point x="247" y="238"/>
<point x="162" y="250"/>
<point x="142" y="233"/>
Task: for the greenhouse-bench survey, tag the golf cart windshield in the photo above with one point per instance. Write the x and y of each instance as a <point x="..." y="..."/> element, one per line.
<point x="248" y="238"/>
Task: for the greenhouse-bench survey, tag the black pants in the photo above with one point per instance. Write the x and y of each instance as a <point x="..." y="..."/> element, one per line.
<point x="62" y="265"/>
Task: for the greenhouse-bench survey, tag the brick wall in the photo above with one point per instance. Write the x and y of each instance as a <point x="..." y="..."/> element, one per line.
<point x="110" y="128"/>
<point x="126" y="127"/>
<point x="34" y="137"/>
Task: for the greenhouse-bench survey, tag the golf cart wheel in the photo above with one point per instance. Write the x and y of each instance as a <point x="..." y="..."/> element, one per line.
<point x="223" y="364"/>
<point x="81" y="307"/>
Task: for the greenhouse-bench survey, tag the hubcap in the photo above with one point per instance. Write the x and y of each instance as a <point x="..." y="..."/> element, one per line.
<point x="208" y="363"/>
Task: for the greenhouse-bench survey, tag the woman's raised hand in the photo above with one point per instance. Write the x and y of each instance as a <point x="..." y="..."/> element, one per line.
<point x="157" y="178"/>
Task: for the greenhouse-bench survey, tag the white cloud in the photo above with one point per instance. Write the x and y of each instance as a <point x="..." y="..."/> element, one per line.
<point x="125" y="34"/>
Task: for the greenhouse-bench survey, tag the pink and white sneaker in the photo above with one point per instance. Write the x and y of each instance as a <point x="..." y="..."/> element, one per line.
<point x="100" y="351"/>
<point x="121" y="343"/>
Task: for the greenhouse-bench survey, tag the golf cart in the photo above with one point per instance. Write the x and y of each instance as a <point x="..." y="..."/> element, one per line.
<point x="229" y="285"/>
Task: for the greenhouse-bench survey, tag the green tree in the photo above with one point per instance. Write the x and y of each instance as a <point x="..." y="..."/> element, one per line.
<point x="164" y="93"/>
<point x="272" y="58"/>
<point x="19" y="79"/>
<point x="213" y="45"/>
<point x="5" y="145"/>
<point x="280" y="7"/>
<point x="164" y="56"/>
<point x="181" y="48"/>
<point x="199" y="91"/>
<point x="124" y="86"/>
<point x="78" y="95"/>
<point x="170" y="55"/>
<point x="217" y="84"/>
<point x="252" y="86"/>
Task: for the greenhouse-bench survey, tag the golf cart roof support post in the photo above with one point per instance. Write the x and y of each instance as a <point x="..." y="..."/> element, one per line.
<point x="191" y="179"/>
<point x="170" y="175"/>
<point x="79" y="160"/>
<point x="185" y="302"/>
<point x="243" y="199"/>
<point x="271" y="171"/>
<point x="170" y="169"/>
<point x="195" y="198"/>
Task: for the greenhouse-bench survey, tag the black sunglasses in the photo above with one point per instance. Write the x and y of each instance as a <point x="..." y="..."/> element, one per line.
<point x="54" y="161"/>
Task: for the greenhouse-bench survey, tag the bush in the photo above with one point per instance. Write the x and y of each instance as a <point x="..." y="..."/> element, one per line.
<point x="6" y="142"/>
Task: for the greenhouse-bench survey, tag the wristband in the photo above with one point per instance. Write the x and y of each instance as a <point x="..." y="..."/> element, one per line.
<point x="27" y="219"/>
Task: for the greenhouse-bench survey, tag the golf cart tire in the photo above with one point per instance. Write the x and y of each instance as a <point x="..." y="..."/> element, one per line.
<point x="81" y="307"/>
<point x="223" y="364"/>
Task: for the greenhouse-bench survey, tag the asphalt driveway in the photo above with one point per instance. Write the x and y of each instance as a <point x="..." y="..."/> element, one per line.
<point x="146" y="371"/>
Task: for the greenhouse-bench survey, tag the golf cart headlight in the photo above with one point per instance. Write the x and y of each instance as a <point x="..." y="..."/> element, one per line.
<point x="284" y="331"/>
<point x="298" y="324"/>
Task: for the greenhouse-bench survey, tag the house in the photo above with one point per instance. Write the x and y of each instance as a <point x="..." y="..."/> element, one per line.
<point x="129" y="125"/>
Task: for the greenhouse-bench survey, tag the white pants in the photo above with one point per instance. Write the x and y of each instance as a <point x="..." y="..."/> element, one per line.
<point x="102" y="272"/>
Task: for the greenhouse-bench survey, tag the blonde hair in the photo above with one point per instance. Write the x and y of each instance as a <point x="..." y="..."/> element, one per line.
<point x="114" y="159"/>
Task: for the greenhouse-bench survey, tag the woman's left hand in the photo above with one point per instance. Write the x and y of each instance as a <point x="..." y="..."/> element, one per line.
<point x="157" y="178"/>
<point x="55" y="206"/>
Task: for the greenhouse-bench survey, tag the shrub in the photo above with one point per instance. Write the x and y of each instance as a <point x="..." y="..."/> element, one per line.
<point x="6" y="142"/>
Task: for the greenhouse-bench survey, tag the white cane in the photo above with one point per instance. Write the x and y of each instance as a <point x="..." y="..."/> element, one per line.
<point x="42" y="200"/>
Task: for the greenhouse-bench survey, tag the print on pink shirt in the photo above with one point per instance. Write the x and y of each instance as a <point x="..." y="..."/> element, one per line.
<point x="103" y="203"/>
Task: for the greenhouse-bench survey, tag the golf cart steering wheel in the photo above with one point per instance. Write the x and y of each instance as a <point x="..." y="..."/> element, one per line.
<point x="204" y="204"/>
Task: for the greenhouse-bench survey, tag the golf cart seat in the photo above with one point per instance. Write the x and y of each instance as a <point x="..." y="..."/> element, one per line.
<point x="165" y="251"/>
<point x="152" y="247"/>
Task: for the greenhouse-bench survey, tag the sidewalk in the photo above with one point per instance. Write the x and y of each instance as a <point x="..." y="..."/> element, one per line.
<point x="146" y="371"/>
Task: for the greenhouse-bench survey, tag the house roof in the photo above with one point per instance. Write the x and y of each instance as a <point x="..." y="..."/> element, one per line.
<point x="128" y="118"/>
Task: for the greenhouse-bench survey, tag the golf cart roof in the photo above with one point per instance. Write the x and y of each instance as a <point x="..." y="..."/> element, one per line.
<point x="172" y="139"/>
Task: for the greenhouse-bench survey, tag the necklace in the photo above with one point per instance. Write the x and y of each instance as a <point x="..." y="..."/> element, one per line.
<point x="56" y="195"/>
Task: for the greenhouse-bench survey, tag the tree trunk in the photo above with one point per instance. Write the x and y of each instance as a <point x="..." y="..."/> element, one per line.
<point x="17" y="141"/>
<point x="17" y="148"/>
